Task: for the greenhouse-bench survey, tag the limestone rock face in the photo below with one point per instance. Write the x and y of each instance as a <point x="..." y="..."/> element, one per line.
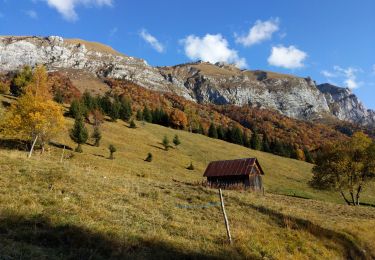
<point x="346" y="106"/>
<point x="100" y="60"/>
<point x="201" y="82"/>
<point x="291" y="96"/>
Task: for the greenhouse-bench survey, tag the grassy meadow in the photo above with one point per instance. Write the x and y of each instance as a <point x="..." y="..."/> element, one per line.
<point x="90" y="207"/>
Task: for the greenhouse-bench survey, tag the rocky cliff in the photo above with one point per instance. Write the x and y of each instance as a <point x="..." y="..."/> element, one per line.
<point x="202" y="82"/>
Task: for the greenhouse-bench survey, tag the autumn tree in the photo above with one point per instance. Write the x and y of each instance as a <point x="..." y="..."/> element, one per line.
<point x="35" y="117"/>
<point x="79" y="133"/>
<point x="346" y="167"/>
<point x="178" y="119"/>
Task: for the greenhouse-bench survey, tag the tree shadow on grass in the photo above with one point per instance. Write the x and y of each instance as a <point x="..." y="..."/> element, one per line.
<point x="14" y="144"/>
<point x="158" y="147"/>
<point x="37" y="237"/>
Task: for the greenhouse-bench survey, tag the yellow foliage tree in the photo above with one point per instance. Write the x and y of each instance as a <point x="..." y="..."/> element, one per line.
<point x="38" y="86"/>
<point x="35" y="116"/>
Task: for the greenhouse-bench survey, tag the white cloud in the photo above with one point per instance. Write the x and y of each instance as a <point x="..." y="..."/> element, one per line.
<point x="261" y="31"/>
<point x="287" y="57"/>
<point x="150" y="39"/>
<point x="212" y="48"/>
<point x="348" y="76"/>
<point x="32" y="14"/>
<point x="67" y="7"/>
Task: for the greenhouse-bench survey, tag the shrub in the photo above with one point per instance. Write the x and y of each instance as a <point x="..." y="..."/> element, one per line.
<point x="132" y="124"/>
<point x="165" y="143"/>
<point x="149" y="157"/>
<point x="191" y="166"/>
<point x="97" y="135"/>
<point x="176" y="140"/>
<point x="112" y="149"/>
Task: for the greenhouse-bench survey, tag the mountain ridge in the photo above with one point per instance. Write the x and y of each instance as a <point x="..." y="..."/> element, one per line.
<point x="202" y="82"/>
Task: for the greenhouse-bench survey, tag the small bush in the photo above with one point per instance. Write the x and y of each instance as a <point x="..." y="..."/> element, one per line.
<point x="191" y="166"/>
<point x="112" y="149"/>
<point x="149" y="157"/>
<point x="132" y="124"/>
<point x="165" y="143"/>
<point x="176" y="140"/>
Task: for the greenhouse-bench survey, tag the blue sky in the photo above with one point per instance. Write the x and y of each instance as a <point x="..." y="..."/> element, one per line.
<point x="331" y="41"/>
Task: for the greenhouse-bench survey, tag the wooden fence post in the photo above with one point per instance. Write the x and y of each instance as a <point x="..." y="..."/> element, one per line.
<point x="225" y="217"/>
<point x="62" y="155"/>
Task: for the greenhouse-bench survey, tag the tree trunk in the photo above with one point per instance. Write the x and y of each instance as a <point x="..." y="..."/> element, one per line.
<point x="359" y="189"/>
<point x="352" y="196"/>
<point x="32" y="147"/>
<point x="343" y="195"/>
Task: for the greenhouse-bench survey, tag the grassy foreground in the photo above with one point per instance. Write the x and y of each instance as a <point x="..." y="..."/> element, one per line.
<point x="90" y="207"/>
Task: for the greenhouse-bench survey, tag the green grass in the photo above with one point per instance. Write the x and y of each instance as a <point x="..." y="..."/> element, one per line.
<point x="90" y="207"/>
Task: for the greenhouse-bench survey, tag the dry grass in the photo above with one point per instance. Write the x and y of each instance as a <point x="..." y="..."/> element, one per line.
<point x="92" y="207"/>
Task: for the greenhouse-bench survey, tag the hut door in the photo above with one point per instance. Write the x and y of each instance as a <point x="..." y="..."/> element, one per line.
<point x="258" y="182"/>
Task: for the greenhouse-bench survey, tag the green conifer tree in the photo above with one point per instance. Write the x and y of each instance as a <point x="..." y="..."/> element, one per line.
<point x="79" y="133"/>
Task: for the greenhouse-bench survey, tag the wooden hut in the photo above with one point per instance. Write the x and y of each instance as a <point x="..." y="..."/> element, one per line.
<point x="245" y="172"/>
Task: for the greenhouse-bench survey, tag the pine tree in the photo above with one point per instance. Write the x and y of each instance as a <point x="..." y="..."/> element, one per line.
<point x="255" y="141"/>
<point x="176" y="140"/>
<point x="132" y="124"/>
<point x="147" y="115"/>
<point x="77" y="109"/>
<point x="79" y="133"/>
<point x="88" y="101"/>
<point x="114" y="112"/>
<point x="236" y="136"/>
<point x="245" y="138"/>
<point x="105" y="104"/>
<point x="220" y="133"/>
<point x="97" y="136"/>
<point x="308" y="155"/>
<point x="212" y="132"/>
<point x="139" y="115"/>
<point x="112" y="149"/>
<point x="266" y="144"/>
<point x="126" y="109"/>
<point x="165" y="143"/>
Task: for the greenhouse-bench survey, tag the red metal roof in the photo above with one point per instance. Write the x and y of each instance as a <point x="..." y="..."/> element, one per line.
<point x="231" y="167"/>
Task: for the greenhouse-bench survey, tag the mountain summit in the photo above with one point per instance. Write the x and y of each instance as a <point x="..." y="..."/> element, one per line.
<point x="202" y="82"/>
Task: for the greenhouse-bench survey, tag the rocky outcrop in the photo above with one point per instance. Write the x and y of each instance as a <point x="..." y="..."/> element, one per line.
<point x="346" y="106"/>
<point x="220" y="84"/>
<point x="100" y="60"/>
<point x="200" y="81"/>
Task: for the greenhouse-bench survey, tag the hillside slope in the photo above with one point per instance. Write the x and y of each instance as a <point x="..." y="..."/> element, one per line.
<point x="89" y="205"/>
